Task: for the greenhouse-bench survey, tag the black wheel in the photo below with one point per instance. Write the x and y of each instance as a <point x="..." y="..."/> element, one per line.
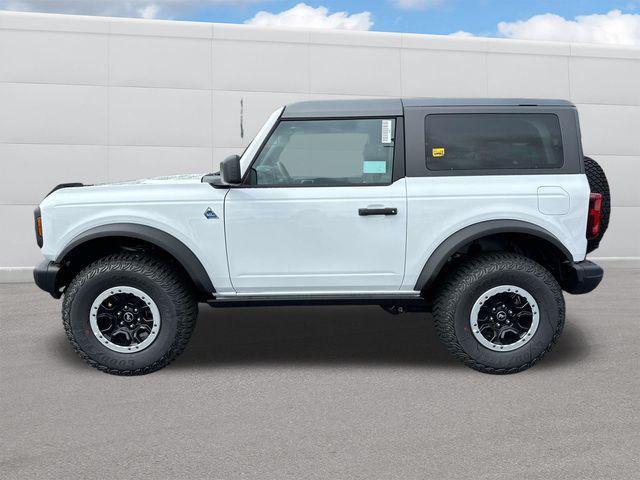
<point x="499" y="313"/>
<point x="598" y="184"/>
<point x="129" y="314"/>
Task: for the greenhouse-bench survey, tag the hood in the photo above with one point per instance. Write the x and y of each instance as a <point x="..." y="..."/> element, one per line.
<point x="177" y="187"/>
<point x="163" y="180"/>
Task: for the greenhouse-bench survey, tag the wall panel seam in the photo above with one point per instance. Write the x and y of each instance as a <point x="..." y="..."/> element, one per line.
<point x="105" y="85"/>
<point x="108" y="120"/>
<point x="148" y="145"/>
<point x="142" y="145"/>
<point x="211" y="102"/>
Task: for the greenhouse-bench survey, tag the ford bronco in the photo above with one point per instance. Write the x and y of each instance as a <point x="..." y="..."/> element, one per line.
<point x="479" y="211"/>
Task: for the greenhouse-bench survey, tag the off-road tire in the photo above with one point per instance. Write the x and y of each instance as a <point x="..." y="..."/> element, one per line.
<point x="473" y="277"/>
<point x="598" y="184"/>
<point x="163" y="283"/>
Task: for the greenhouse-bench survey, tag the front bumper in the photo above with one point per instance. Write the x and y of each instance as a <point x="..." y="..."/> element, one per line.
<point x="581" y="277"/>
<point x="46" y="277"/>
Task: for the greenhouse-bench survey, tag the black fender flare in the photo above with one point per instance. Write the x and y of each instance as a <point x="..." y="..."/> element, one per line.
<point x="159" y="238"/>
<point x="468" y="234"/>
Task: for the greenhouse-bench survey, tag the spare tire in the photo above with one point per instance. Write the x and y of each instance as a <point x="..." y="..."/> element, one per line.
<point x="598" y="184"/>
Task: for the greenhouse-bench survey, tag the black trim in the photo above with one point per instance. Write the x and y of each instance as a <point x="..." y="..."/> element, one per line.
<point x="394" y="106"/>
<point x="581" y="277"/>
<point x="66" y="185"/>
<point x="45" y="275"/>
<point x="245" y="177"/>
<point x="463" y="237"/>
<point x="412" y="299"/>
<point x="163" y="240"/>
<point x="230" y="173"/>
<point x="485" y="102"/>
<point x="399" y="160"/>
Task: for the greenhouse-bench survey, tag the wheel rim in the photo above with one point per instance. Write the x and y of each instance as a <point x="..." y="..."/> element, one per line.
<point x="505" y="318"/>
<point x="125" y="319"/>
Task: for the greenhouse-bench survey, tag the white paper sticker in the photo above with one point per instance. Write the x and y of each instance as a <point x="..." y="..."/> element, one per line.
<point x="387" y="131"/>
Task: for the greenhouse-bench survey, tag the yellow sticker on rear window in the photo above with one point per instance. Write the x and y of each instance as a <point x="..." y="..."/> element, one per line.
<point x="437" y="152"/>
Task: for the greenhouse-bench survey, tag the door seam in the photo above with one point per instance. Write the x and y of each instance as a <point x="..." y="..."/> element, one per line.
<point x="226" y="243"/>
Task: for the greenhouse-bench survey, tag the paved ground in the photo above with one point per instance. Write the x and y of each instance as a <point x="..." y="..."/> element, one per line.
<point x="326" y="393"/>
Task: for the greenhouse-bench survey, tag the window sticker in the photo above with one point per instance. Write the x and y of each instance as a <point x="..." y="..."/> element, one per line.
<point x="437" y="152"/>
<point x="387" y="131"/>
<point x="374" y="166"/>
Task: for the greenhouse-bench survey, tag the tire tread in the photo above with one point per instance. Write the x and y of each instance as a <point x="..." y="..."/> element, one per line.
<point x="460" y="280"/>
<point x="165" y="276"/>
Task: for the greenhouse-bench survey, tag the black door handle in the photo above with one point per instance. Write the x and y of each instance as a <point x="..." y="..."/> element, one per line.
<point x="364" y="212"/>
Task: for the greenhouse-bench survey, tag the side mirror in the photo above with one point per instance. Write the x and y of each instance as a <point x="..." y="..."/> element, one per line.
<point x="230" y="170"/>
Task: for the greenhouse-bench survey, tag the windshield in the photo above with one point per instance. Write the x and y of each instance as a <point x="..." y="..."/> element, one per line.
<point x="253" y="147"/>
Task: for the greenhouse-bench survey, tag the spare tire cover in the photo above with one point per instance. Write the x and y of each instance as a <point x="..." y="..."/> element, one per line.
<point x="598" y="184"/>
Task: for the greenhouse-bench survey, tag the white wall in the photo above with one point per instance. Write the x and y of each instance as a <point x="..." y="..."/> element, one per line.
<point x="97" y="99"/>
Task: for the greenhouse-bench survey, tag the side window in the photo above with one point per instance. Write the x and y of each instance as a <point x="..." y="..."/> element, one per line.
<point x="327" y="153"/>
<point x="492" y="141"/>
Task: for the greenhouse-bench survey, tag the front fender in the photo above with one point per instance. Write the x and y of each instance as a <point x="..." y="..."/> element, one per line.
<point x="183" y="254"/>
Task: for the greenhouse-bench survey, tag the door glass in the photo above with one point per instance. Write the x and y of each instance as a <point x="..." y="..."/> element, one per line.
<point x="327" y="153"/>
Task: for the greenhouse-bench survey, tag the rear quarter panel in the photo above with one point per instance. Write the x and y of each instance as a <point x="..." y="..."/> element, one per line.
<point x="440" y="206"/>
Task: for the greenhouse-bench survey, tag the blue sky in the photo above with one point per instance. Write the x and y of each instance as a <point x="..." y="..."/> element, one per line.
<point x="476" y="16"/>
<point x="596" y="21"/>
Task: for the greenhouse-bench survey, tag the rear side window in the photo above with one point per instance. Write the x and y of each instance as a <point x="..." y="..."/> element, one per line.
<point x="492" y="141"/>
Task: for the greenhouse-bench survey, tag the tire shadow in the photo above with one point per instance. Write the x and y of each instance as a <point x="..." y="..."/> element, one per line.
<point x="313" y="335"/>
<point x="572" y="347"/>
<point x="332" y="335"/>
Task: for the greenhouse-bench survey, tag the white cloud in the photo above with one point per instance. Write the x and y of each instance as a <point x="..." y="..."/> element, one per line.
<point x="416" y="4"/>
<point x="302" y="15"/>
<point x="150" y="11"/>
<point x="117" y="8"/>
<point x="461" y="33"/>
<point x="614" y="27"/>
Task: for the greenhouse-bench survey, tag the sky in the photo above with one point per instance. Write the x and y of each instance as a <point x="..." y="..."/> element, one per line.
<point x="592" y="21"/>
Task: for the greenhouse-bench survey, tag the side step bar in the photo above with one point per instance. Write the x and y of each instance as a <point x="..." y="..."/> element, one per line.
<point x="409" y="300"/>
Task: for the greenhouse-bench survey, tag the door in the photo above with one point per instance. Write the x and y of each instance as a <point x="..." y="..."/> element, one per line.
<point x="320" y="211"/>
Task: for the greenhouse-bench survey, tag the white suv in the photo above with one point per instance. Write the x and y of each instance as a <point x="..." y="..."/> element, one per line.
<point x="481" y="211"/>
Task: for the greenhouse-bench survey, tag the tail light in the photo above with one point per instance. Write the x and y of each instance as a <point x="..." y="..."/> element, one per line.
<point x="595" y="214"/>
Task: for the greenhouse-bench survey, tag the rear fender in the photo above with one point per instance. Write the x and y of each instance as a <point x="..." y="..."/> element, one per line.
<point x="465" y="236"/>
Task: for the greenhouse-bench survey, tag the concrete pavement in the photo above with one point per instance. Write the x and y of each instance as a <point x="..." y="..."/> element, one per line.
<point x="324" y="393"/>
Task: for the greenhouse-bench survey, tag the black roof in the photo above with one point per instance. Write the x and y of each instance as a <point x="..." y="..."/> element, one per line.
<point x="344" y="108"/>
<point x="394" y="106"/>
